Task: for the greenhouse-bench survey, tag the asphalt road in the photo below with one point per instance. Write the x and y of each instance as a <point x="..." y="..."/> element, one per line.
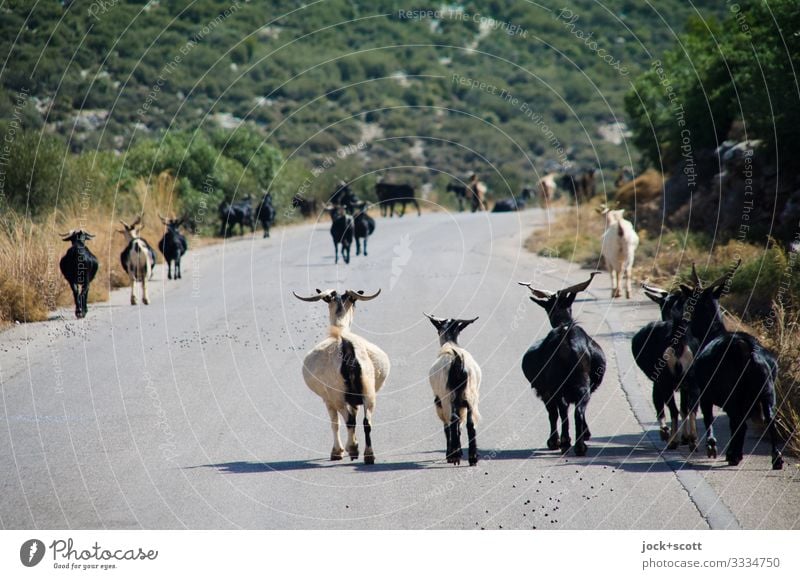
<point x="192" y="412"/>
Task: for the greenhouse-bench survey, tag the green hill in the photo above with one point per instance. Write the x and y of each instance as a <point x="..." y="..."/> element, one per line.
<point x="500" y="87"/>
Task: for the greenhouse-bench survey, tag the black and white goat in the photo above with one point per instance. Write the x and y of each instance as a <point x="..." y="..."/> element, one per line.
<point x="363" y="225"/>
<point x="138" y="259"/>
<point x="346" y="371"/>
<point x="342" y="231"/>
<point x="732" y="370"/>
<point x="565" y="367"/>
<point x="79" y="266"/>
<point x="173" y="245"/>
<point x="455" y="378"/>
<point x="664" y="351"/>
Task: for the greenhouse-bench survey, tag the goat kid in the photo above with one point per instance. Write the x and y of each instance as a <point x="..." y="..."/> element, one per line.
<point x="619" y="243"/>
<point x="566" y="367"/>
<point x="346" y="371"/>
<point x="138" y="258"/>
<point x="79" y="267"/>
<point x="173" y="245"/>
<point x="732" y="370"/>
<point x="455" y="378"/>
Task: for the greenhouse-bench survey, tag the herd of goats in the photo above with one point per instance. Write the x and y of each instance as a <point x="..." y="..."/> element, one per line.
<point x="688" y="355"/>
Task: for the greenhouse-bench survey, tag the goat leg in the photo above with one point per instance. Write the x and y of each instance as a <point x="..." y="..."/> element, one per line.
<point x="708" y="422"/>
<point x="735" y="453"/>
<point x="674" y="420"/>
<point x="768" y="407"/>
<point x="552" y="412"/>
<point x="337" y="452"/>
<point x="563" y="412"/>
<point x="580" y="427"/>
<point x="369" y="457"/>
<point x="454" y="457"/>
<point x="352" y="443"/>
<point x="473" y="443"/>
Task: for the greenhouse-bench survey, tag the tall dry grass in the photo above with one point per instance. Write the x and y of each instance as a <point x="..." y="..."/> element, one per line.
<point x="31" y="284"/>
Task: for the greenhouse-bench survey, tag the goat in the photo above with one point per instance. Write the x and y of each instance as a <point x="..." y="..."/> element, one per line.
<point x="265" y="213"/>
<point x="547" y="187"/>
<point x="390" y="193"/>
<point x="564" y="368"/>
<point x="79" y="266"/>
<point x="138" y="258"/>
<point x="342" y="231"/>
<point x="363" y="226"/>
<point x="345" y="197"/>
<point x="238" y="212"/>
<point x="346" y="371"/>
<point x="307" y="207"/>
<point x="477" y="193"/>
<point x="664" y="351"/>
<point x="508" y="205"/>
<point x="455" y="378"/>
<point x="732" y="370"/>
<point x="461" y="193"/>
<point x="173" y="245"/>
<point x="619" y="243"/>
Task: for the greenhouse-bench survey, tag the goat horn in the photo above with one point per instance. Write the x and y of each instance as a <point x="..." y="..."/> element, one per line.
<point x="162" y="218"/>
<point x="137" y="221"/>
<point x="125" y="225"/>
<point x="359" y="295"/>
<point x="654" y="289"/>
<point x="308" y="299"/>
<point x="89" y="235"/>
<point x="579" y="287"/>
<point x="696" y="278"/>
<point x="544" y="294"/>
<point x="66" y="236"/>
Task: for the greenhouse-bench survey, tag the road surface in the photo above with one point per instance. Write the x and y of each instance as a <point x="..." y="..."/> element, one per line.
<point x="192" y="412"/>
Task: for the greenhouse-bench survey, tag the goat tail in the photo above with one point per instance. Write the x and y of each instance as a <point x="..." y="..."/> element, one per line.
<point x="457" y="378"/>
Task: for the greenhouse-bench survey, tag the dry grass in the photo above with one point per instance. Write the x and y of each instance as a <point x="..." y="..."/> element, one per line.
<point x="31" y="284"/>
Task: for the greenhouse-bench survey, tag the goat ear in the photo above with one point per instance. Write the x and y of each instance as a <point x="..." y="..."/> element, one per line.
<point x="541" y="303"/>
<point x="686" y="290"/>
<point x="658" y="298"/>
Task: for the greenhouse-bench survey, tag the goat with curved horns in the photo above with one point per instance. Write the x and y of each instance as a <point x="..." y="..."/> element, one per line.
<point x="455" y="379"/>
<point x="565" y="367"/>
<point x="346" y="371"/>
<point x="732" y="370"/>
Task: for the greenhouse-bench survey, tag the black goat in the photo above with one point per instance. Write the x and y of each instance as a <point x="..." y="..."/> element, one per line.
<point x="79" y="266"/>
<point x="508" y="205"/>
<point x="345" y="197"/>
<point x="363" y="226"/>
<point x="461" y="193"/>
<point x="173" y="245"/>
<point x="265" y="213"/>
<point x="390" y="193"/>
<point x="342" y="230"/>
<point x="307" y="207"/>
<point x="732" y="370"/>
<point x="231" y="214"/>
<point x="664" y="351"/>
<point x="565" y="367"/>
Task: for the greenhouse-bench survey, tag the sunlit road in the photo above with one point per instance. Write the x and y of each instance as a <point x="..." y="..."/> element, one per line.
<point x="192" y="412"/>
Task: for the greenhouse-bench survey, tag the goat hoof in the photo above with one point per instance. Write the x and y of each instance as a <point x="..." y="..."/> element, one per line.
<point x="692" y="445"/>
<point x="146" y="301"/>
<point x="454" y="457"/>
<point x="664" y="433"/>
<point x="337" y="455"/>
<point x="369" y="458"/>
<point x="777" y="462"/>
<point x="133" y="301"/>
<point x="672" y="445"/>
<point x="732" y="459"/>
<point x="552" y="443"/>
<point x="473" y="460"/>
<point x="711" y="449"/>
<point x="580" y="449"/>
<point x="566" y="443"/>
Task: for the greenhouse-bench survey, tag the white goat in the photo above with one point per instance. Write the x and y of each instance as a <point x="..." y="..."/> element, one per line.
<point x="547" y="187"/>
<point x="455" y="379"/>
<point x="138" y="259"/>
<point x="346" y="371"/>
<point x="619" y="243"/>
